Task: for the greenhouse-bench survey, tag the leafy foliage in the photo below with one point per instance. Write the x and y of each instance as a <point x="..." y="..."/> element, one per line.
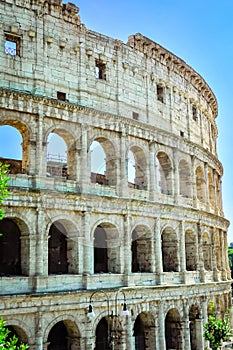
<point x="217" y="330"/>
<point x="230" y="258"/>
<point x="7" y="342"/>
<point x="3" y="185"/>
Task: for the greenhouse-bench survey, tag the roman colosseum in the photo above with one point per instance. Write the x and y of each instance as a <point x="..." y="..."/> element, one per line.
<point x="121" y="243"/>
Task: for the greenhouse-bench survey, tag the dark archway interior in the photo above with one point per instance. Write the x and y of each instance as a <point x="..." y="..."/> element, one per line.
<point x="58" y="263"/>
<point x="101" y="335"/>
<point x="139" y="334"/>
<point x="58" y="337"/>
<point x="10" y="248"/>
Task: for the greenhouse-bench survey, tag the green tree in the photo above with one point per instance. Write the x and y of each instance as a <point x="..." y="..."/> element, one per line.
<point x="4" y="170"/>
<point x="217" y="330"/>
<point x="230" y="258"/>
<point x="7" y="342"/>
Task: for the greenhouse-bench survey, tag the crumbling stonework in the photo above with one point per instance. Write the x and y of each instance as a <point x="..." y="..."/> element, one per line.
<point x="75" y="239"/>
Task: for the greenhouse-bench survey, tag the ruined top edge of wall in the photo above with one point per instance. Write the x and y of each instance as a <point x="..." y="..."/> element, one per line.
<point x="55" y="8"/>
<point x="153" y="50"/>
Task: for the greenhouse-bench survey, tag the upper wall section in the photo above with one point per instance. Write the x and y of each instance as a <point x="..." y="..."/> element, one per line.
<point x="45" y="50"/>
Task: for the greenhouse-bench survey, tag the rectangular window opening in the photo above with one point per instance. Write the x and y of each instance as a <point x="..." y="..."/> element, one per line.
<point x="100" y="70"/>
<point x="160" y="93"/>
<point x="194" y="112"/>
<point x="61" y="96"/>
<point x="181" y="133"/>
<point x="135" y="115"/>
<point x="12" y="45"/>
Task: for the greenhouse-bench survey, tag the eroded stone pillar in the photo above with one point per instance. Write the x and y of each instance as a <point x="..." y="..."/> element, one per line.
<point x="161" y="317"/>
<point x="123" y="180"/>
<point x="158" y="251"/>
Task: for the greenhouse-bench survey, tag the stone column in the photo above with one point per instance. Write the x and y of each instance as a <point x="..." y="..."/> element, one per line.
<point x="156" y="331"/>
<point x="182" y="255"/>
<point x="129" y="339"/>
<point x="89" y="343"/>
<point x="40" y="154"/>
<point x="84" y="171"/>
<point x="221" y="236"/>
<point x="214" y="255"/>
<point x="193" y="179"/>
<point x="204" y="316"/>
<point x="200" y="262"/>
<point x="39" y="332"/>
<point x="158" y="252"/>
<point x="161" y="332"/>
<point x="40" y="268"/>
<point x="88" y="263"/>
<point x="152" y="184"/>
<point x="123" y="181"/>
<point x="127" y="249"/>
<point x="199" y="333"/>
<point x="188" y="113"/>
<point x="175" y="176"/>
<point x="186" y="328"/>
<point x="206" y="184"/>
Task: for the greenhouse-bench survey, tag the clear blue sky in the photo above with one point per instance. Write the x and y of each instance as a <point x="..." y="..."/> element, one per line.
<point x="200" y="32"/>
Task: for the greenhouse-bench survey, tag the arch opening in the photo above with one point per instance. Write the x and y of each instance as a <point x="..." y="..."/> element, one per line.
<point x="200" y="184"/>
<point x="190" y="251"/>
<point x="56" y="156"/>
<point x="136" y="168"/>
<point x="103" y="162"/>
<point x="141" y="250"/>
<point x="10" y="248"/>
<point x="144" y="334"/>
<point x="106" y="249"/>
<point x="173" y="333"/>
<point x="170" y="250"/>
<point x="164" y="173"/>
<point x="57" y="249"/>
<point x="13" y="153"/>
<point x="184" y="179"/>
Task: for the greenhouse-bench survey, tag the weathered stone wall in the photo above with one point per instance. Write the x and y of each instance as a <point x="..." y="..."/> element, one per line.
<point x="158" y="243"/>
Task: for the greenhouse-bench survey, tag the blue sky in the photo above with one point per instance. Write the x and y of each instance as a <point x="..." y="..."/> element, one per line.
<point x="200" y="32"/>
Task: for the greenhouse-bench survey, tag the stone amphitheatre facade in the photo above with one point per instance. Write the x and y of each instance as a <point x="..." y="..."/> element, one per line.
<point x="77" y="240"/>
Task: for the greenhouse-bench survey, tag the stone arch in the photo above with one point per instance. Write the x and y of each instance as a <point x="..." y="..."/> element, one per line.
<point x="190" y="250"/>
<point x="57" y="249"/>
<point x="22" y="165"/>
<point x="106" y="248"/>
<point x="164" y="173"/>
<point x="109" y="176"/>
<point x="200" y="184"/>
<point x="144" y="331"/>
<point x="195" y="327"/>
<point x="17" y="330"/>
<point x="63" y="248"/>
<point x="62" y="165"/>
<point x="62" y="333"/>
<point x="109" y="333"/>
<point x="141" y="249"/>
<point x="14" y="247"/>
<point x="170" y="250"/>
<point x="207" y="251"/>
<point x="140" y="181"/>
<point x="173" y="333"/>
<point x="185" y="182"/>
<point x="211" y="189"/>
